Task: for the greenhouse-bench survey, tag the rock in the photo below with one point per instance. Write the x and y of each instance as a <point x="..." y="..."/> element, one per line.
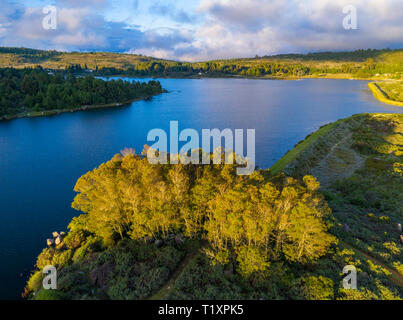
<point x="55" y="234"/>
<point x="62" y="234"/>
<point x="179" y="239"/>
<point x="158" y="243"/>
<point x="58" y="240"/>
<point x="148" y="240"/>
<point x="399" y="227"/>
<point x="346" y="227"/>
<point x="50" y="242"/>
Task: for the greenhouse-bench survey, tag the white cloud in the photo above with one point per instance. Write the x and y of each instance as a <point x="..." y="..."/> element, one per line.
<point x="224" y="28"/>
<point x="247" y="27"/>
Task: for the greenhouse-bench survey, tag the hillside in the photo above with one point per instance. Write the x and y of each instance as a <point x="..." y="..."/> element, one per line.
<point x="376" y="64"/>
<point x="28" y="58"/>
<point x="201" y="232"/>
<point x="388" y="92"/>
<point x="359" y="164"/>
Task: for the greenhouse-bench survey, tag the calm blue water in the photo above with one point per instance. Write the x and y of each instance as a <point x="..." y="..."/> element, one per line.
<point x="41" y="158"/>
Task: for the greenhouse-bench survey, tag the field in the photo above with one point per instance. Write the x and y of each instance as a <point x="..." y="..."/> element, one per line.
<point x="393" y="90"/>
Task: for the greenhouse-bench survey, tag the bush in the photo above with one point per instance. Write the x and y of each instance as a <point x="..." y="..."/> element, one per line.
<point x="92" y="244"/>
<point x="49" y="295"/>
<point x="74" y="239"/>
<point x="316" y="288"/>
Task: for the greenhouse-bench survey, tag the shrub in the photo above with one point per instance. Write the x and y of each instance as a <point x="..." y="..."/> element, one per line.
<point x="45" y="258"/>
<point x="399" y="267"/>
<point x="35" y="281"/>
<point x="49" y="295"/>
<point x="74" y="239"/>
<point x="317" y="288"/>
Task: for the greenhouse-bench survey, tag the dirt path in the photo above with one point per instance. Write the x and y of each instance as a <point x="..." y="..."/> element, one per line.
<point x="168" y="287"/>
<point x="395" y="277"/>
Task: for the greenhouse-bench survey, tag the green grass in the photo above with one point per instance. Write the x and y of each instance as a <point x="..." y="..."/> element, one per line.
<point x="294" y="153"/>
<point x="394" y="90"/>
<point x="170" y="285"/>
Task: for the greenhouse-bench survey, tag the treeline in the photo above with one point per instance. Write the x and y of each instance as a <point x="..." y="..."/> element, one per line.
<point x="271" y="69"/>
<point x="33" y="55"/>
<point x="248" y="221"/>
<point x="357" y="55"/>
<point x="202" y="69"/>
<point x="31" y="90"/>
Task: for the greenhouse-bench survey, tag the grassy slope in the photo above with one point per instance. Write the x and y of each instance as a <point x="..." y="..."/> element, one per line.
<point x="293" y="154"/>
<point x="367" y="203"/>
<point x="62" y="60"/>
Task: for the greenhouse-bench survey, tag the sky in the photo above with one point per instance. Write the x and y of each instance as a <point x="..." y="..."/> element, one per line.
<point x="196" y="30"/>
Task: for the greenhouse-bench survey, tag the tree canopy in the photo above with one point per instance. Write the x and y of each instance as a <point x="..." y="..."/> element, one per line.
<point x="252" y="219"/>
<point x="30" y="90"/>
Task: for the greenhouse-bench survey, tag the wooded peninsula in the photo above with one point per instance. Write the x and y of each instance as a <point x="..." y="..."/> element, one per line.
<point x="29" y="92"/>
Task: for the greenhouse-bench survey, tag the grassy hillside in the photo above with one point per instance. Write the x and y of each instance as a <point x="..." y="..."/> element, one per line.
<point x="191" y="232"/>
<point x="300" y="147"/>
<point x="388" y="92"/>
<point x="359" y="164"/>
<point x="376" y="64"/>
<point x="25" y="58"/>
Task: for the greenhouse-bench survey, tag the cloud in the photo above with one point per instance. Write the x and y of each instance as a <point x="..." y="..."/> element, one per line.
<point x="175" y="14"/>
<point x="248" y="27"/>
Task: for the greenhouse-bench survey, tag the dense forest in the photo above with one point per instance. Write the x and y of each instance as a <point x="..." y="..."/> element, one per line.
<point x="33" y="90"/>
<point x="263" y="236"/>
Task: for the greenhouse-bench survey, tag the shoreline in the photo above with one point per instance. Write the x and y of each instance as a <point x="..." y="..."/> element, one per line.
<point x="380" y="95"/>
<point x="48" y="113"/>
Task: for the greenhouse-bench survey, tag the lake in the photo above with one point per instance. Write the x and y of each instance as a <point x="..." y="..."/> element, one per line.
<point x="42" y="158"/>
